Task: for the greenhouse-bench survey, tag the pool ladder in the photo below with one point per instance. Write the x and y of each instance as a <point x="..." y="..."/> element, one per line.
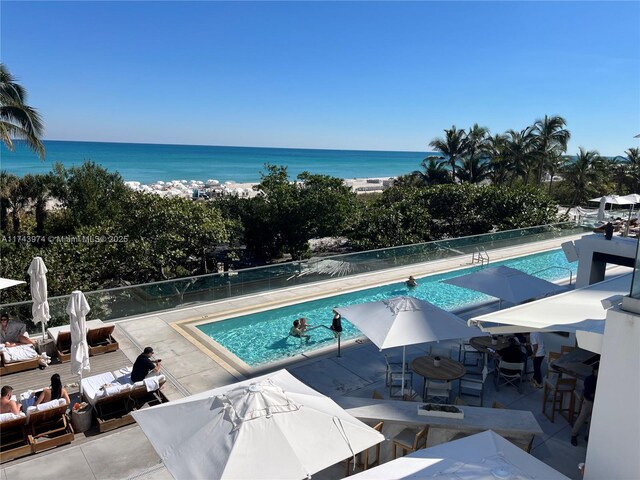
<point x="480" y="256"/>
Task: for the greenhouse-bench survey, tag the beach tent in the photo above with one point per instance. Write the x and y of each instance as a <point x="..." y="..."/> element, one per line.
<point x="402" y="321"/>
<point x="506" y="283"/>
<point x="8" y="283"/>
<point x="40" y="308"/>
<point x="77" y="309"/>
<point x="272" y="426"/>
<point x="483" y="456"/>
<point x="581" y="311"/>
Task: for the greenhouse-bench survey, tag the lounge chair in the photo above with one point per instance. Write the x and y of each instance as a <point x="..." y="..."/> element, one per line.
<point x="114" y="397"/>
<point x="47" y="425"/>
<point x="100" y="340"/>
<point x="14" y="442"/>
<point x="14" y="359"/>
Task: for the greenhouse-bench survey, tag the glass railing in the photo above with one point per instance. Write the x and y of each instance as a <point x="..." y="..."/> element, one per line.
<point x="121" y="302"/>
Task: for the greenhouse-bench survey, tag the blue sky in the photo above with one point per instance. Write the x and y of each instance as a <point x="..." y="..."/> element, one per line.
<point x="344" y="75"/>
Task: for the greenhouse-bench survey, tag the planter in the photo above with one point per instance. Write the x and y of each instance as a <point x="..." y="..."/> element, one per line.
<point x="438" y="410"/>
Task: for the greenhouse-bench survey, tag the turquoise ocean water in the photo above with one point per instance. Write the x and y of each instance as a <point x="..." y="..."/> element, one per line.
<point x="148" y="163"/>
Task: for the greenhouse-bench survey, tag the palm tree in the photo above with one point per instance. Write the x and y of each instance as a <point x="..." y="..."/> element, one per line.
<point x="477" y="146"/>
<point x="38" y="190"/>
<point x="583" y="175"/>
<point x="434" y="172"/>
<point x="8" y="182"/>
<point x="474" y="169"/>
<point x="453" y="146"/>
<point x="555" y="165"/>
<point x="500" y="167"/>
<point x="519" y="150"/>
<point x="17" y="119"/>
<point x="551" y="140"/>
<point x="633" y="169"/>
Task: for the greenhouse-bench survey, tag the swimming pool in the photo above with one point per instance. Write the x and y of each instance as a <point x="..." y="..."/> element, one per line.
<point x="262" y="338"/>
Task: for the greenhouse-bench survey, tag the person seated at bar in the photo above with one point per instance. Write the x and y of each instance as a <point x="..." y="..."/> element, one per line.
<point x="13" y="333"/>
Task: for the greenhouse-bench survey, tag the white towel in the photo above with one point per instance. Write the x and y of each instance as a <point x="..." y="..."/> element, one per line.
<point x="111" y="390"/>
<point x="152" y="383"/>
<point x="19" y="353"/>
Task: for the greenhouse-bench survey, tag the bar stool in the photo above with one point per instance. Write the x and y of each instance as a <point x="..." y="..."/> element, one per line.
<point x="561" y="388"/>
<point x="409" y="440"/>
<point x="362" y="458"/>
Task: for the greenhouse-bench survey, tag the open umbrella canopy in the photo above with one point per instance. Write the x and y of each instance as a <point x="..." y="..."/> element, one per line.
<point x="402" y="321"/>
<point x="7" y="283"/>
<point x="40" y="308"/>
<point x="268" y="427"/>
<point x="507" y="284"/>
<point x="483" y="456"/>
<point x="77" y="309"/>
<point x="634" y="197"/>
<point x="614" y="200"/>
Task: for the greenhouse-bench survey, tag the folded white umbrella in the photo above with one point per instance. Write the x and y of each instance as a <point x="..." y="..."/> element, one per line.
<point x="77" y="308"/>
<point x="269" y="427"/>
<point x="483" y="456"/>
<point x="402" y="321"/>
<point x="40" y="308"/>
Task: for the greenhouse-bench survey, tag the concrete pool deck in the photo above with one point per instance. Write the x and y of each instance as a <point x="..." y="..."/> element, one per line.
<point x="191" y="367"/>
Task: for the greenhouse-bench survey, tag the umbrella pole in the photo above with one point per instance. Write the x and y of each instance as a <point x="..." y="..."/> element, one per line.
<point x="403" y="364"/>
<point x="80" y="386"/>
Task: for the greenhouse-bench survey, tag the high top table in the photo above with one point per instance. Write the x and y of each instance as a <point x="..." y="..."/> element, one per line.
<point x="518" y="425"/>
<point x="577" y="363"/>
<point x="483" y="344"/>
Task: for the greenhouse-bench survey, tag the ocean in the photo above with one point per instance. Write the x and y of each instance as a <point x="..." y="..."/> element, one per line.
<point x="148" y="163"/>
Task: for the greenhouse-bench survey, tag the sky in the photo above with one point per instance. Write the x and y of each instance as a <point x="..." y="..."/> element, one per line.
<point x="338" y="75"/>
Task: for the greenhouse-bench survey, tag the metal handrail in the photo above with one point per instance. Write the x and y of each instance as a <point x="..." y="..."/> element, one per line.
<point x="557" y="266"/>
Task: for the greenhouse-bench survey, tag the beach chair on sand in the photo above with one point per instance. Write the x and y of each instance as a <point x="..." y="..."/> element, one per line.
<point x="100" y="340"/>
<point x="49" y="428"/>
<point x="14" y="442"/>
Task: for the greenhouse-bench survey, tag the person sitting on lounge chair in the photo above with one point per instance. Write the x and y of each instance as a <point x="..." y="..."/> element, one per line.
<point x="143" y="365"/>
<point x="54" y="392"/>
<point x="6" y="404"/>
<point x="13" y="333"/>
<point x="298" y="331"/>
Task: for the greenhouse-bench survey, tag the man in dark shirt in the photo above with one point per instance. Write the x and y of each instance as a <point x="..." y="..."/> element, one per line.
<point x="588" y="393"/>
<point x="144" y="365"/>
<point x="513" y="354"/>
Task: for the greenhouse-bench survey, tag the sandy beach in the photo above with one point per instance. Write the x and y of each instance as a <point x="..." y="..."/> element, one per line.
<point x="182" y="188"/>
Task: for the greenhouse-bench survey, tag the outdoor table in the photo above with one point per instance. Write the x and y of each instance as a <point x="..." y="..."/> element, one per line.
<point x="518" y="425"/>
<point x="447" y="371"/>
<point x="577" y="363"/>
<point x="483" y="344"/>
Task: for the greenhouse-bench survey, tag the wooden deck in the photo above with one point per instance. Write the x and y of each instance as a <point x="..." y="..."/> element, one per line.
<point x="38" y="379"/>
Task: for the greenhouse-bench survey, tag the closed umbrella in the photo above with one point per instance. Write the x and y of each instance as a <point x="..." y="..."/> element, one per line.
<point x="77" y="308"/>
<point x="40" y="308"/>
<point x="268" y="427"/>
<point x="402" y="321"/>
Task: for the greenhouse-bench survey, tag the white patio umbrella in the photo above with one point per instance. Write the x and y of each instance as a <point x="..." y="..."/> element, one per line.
<point x="268" y="427"/>
<point x="506" y="283"/>
<point x="483" y="456"/>
<point x="40" y="308"/>
<point x="402" y="321"/>
<point x="77" y="308"/>
<point x="8" y="283"/>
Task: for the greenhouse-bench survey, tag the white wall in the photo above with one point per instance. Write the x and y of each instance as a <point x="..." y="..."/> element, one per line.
<point x="613" y="451"/>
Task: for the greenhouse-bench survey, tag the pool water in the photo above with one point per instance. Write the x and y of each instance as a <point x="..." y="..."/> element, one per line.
<point x="263" y="337"/>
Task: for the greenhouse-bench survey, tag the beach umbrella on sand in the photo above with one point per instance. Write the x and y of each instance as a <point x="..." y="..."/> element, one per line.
<point x="77" y="308"/>
<point x="40" y="308"/>
<point x="272" y="426"/>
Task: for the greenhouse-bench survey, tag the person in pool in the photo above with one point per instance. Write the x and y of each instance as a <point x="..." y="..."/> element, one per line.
<point x="298" y="331"/>
<point x="411" y="283"/>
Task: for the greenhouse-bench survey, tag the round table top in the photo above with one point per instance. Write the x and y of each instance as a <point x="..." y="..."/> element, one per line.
<point x="482" y="344"/>
<point x="447" y="370"/>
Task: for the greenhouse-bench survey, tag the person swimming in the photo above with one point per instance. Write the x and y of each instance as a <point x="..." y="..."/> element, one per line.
<point x="411" y="283"/>
<point x="297" y="331"/>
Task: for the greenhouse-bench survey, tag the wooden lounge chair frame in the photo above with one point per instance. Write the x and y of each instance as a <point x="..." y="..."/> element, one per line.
<point x="14" y="442"/>
<point x="114" y="411"/>
<point x="14" y="367"/>
<point x="63" y="346"/>
<point x="49" y="428"/>
<point x="100" y="340"/>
